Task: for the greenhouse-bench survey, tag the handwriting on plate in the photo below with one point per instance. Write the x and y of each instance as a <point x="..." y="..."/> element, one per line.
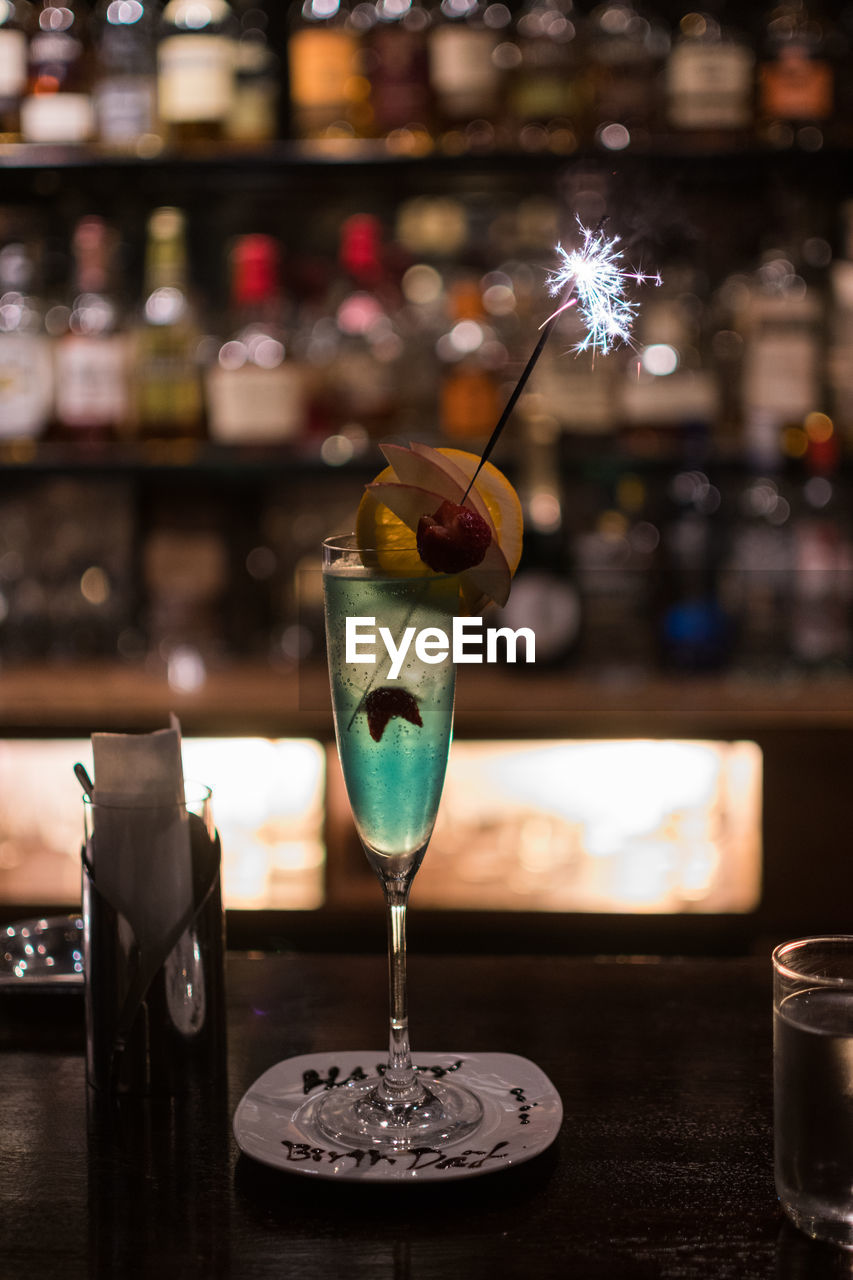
<point x="525" y="1107"/>
<point x="415" y="1159"/>
<point x="332" y="1080"/>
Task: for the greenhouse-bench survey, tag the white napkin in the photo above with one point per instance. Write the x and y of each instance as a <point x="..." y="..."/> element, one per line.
<point x="141" y="860"/>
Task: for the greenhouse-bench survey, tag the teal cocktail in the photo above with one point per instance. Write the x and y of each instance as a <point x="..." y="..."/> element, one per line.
<point x="394" y="767"/>
<point x="393" y="723"/>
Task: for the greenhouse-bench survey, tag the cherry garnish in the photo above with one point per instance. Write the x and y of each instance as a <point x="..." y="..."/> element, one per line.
<point x="454" y="539"/>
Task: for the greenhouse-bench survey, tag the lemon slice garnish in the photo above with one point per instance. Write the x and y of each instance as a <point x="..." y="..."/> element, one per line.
<point x="377" y="527"/>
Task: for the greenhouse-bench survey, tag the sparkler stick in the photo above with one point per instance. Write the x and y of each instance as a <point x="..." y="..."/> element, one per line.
<point x="592" y="279"/>
<point x="516" y="391"/>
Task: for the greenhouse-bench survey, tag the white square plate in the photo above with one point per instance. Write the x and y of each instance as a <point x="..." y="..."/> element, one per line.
<point x="522" y="1116"/>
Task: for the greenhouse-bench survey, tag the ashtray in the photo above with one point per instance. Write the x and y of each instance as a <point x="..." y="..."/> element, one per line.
<point x="44" y="954"/>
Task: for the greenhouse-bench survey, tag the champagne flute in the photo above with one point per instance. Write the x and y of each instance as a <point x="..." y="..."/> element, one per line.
<point x="393" y="736"/>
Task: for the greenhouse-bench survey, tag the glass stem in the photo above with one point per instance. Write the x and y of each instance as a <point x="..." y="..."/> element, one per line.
<point x="400" y="1082"/>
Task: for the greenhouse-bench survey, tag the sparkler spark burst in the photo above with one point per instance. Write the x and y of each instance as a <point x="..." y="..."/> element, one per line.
<point x="597" y="284"/>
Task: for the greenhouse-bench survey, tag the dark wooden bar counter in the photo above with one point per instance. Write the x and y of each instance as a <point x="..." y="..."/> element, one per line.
<point x="662" y="1169"/>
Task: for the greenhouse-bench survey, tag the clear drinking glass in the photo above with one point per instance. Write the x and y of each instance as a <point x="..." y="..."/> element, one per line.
<point x="393" y="734"/>
<point x="813" y="1084"/>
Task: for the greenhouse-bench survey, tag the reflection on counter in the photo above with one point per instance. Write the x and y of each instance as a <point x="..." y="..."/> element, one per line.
<point x="598" y="826"/>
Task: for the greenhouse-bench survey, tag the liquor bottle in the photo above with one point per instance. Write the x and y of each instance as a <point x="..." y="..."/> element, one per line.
<point x="781" y="323"/>
<point x="840" y="357"/>
<point x="709" y="84"/>
<point x="26" y="368"/>
<point x="355" y="345"/>
<point x="695" y="630"/>
<point x="669" y="395"/>
<point x="254" y="111"/>
<point x="840" y="129"/>
<point x="796" y="80"/>
<point x="125" y="81"/>
<point x="472" y="356"/>
<point x="756" y="578"/>
<point x="71" y="591"/>
<point x="167" y="393"/>
<point x="184" y="559"/>
<point x="58" y="103"/>
<point x="464" y="74"/>
<point x="256" y="389"/>
<point x="545" y="87"/>
<point x="397" y="65"/>
<point x="626" y="51"/>
<point x="614" y="553"/>
<point x="329" y="94"/>
<point x="433" y="234"/>
<point x="583" y="396"/>
<point x="17" y="23"/>
<point x="821" y="623"/>
<point x="545" y="594"/>
<point x="196" y="57"/>
<point x="91" y="356"/>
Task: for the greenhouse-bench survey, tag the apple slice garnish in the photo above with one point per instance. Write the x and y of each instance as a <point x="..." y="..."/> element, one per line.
<point x="409" y="503"/>
<point x="426" y="468"/>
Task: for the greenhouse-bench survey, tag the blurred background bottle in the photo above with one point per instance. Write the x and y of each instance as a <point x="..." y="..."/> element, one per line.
<point x="755" y="583"/>
<point x="57" y="106"/>
<point x="354" y="345"/>
<point x="70" y="582"/>
<point x="433" y="233"/>
<point x="669" y="398"/>
<point x="545" y="594"/>
<point x="546" y="86"/>
<point x="397" y="65"/>
<point x="329" y="94"/>
<point x="256" y="387"/>
<point x="184" y="565"/>
<point x="626" y="50"/>
<point x="709" y="84"/>
<point x="125" y="79"/>
<point x="472" y="359"/>
<point x="26" y="368"/>
<point x="167" y="393"/>
<point x="196" y="59"/>
<point x="840" y="355"/>
<point x="91" y="355"/>
<point x="465" y="77"/>
<point x="254" y="114"/>
<point x="615" y="545"/>
<point x="17" y="24"/>
<point x="781" y="320"/>
<point x="821" y="621"/>
<point x="796" y="79"/>
<point x="696" y="631"/>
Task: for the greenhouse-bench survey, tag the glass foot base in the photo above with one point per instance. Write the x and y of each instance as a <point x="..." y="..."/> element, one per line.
<point x="361" y="1116"/>
<point x="821" y="1220"/>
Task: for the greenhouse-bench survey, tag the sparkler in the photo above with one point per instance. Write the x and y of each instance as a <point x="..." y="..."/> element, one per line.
<point x="597" y="283"/>
<point x="593" y="279"/>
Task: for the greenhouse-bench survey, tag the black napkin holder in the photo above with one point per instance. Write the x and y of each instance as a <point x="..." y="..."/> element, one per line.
<point x="155" y="1024"/>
